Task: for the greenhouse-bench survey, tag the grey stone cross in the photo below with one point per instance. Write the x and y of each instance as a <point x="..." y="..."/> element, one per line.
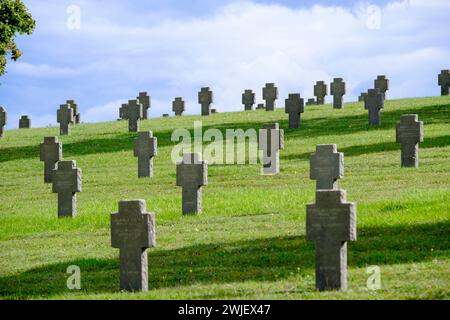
<point x="294" y="106"/>
<point x="320" y="91"/>
<point x="178" y="106"/>
<point x="248" y="99"/>
<point x="3" y="120"/>
<point x="134" y="115"/>
<point x="145" y="148"/>
<point x="271" y="140"/>
<point x="444" y="82"/>
<point x="123" y="111"/>
<point x="50" y="154"/>
<point x="260" y="106"/>
<point x="144" y="100"/>
<point x="311" y="102"/>
<point x="382" y="83"/>
<point x="24" y="122"/>
<point x="192" y="174"/>
<point x="326" y="166"/>
<point x="66" y="182"/>
<point x="374" y="102"/>
<point x="338" y="91"/>
<point x="362" y="97"/>
<point x="270" y="95"/>
<point x="133" y="231"/>
<point x="409" y="133"/>
<point x="65" y="117"/>
<point x="330" y="223"/>
<point x="205" y="99"/>
<point x="76" y="113"/>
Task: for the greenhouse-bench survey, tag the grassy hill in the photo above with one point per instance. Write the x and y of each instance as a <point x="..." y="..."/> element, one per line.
<point x="250" y="240"/>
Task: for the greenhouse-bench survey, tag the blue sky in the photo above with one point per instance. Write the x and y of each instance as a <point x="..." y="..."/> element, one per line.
<point x="172" y="48"/>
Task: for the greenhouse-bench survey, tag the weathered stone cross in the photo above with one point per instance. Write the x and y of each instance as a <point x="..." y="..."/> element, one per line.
<point x="320" y="91"/>
<point x="133" y="231"/>
<point x="76" y="113"/>
<point x="3" y="120"/>
<point x="270" y="95"/>
<point x="66" y="182"/>
<point x="144" y="99"/>
<point x="326" y="166"/>
<point x="134" y="115"/>
<point x="271" y="140"/>
<point x="248" y="99"/>
<point x="294" y="106"/>
<point x="444" y="82"/>
<point x="382" y="83"/>
<point x="374" y="102"/>
<point x="192" y="174"/>
<point x="65" y="117"/>
<point x="330" y="223"/>
<point x="51" y="153"/>
<point x="362" y="97"/>
<point x="178" y="106"/>
<point x="24" y="122"/>
<point x="409" y="134"/>
<point x="123" y="111"/>
<point x="338" y="91"/>
<point x="205" y="98"/>
<point x="145" y="148"/>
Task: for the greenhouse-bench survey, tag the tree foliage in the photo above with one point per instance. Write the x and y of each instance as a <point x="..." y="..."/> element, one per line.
<point x="14" y="19"/>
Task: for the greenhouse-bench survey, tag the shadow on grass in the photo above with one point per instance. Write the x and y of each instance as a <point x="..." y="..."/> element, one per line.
<point x="255" y="260"/>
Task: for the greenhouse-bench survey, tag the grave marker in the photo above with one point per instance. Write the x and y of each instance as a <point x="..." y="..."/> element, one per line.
<point x="444" y="82"/>
<point x="65" y="118"/>
<point x="294" y="106"/>
<point x="320" y="91"/>
<point x="76" y="113"/>
<point x="248" y="99"/>
<point x="24" y="122"/>
<point x="374" y="102"/>
<point x="271" y="140"/>
<point x="123" y="111"/>
<point x="144" y="100"/>
<point x="133" y="231"/>
<point x="338" y="91"/>
<point x="145" y="148"/>
<point x="311" y="102"/>
<point x="3" y="120"/>
<point x="362" y="97"/>
<point x="205" y="99"/>
<point x="260" y="106"/>
<point x="178" y="106"/>
<point x="326" y="166"/>
<point x="270" y="95"/>
<point x="50" y="154"/>
<point x="409" y="133"/>
<point x="382" y="83"/>
<point x="192" y="174"/>
<point x="66" y="182"/>
<point x="134" y="115"/>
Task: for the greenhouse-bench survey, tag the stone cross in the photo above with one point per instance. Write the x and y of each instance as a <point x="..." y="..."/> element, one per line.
<point x="178" y="106"/>
<point x="311" y="102"/>
<point x="213" y="111"/>
<point x="144" y="100"/>
<point x="326" y="166"/>
<point x="320" y="91"/>
<point x="444" y="82"/>
<point x="270" y="95"/>
<point x="294" y="106"/>
<point x="3" y="120"/>
<point x="123" y="111"/>
<point x="271" y="140"/>
<point x="24" y="122"/>
<point x="248" y="99"/>
<point x="330" y="223"/>
<point x="65" y="117"/>
<point x="205" y="98"/>
<point x="409" y="134"/>
<point x="362" y="97"/>
<point x="165" y="115"/>
<point x="337" y="90"/>
<point x="134" y="115"/>
<point x="66" y="182"/>
<point x="260" y="106"/>
<point x="374" y="102"/>
<point x="145" y="148"/>
<point x="192" y="174"/>
<point x="382" y="83"/>
<point x="133" y="231"/>
<point x="76" y="113"/>
<point x="51" y="154"/>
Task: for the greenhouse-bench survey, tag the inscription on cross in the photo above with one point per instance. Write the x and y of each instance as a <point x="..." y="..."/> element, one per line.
<point x="134" y="115"/>
<point x="320" y="91"/>
<point x="444" y="82"/>
<point x="409" y="133"/>
<point x="144" y="100"/>
<point x="192" y="174"/>
<point x="3" y="120"/>
<point x="294" y="106"/>
<point x="65" y="117"/>
<point x="145" y="148"/>
<point x="338" y="91"/>
<point x="270" y="95"/>
<point x="51" y="153"/>
<point x="133" y="231"/>
<point x="330" y="223"/>
<point x="374" y="102"/>
<point x="248" y="99"/>
<point x="382" y="83"/>
<point x="205" y="99"/>
<point x="178" y="106"/>
<point x="66" y="182"/>
<point x="271" y="140"/>
<point x="326" y="166"/>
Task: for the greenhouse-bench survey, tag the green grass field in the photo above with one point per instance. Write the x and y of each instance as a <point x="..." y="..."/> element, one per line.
<point x="249" y="243"/>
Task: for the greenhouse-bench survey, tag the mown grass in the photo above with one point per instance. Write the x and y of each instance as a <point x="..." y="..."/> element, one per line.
<point x="250" y="240"/>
